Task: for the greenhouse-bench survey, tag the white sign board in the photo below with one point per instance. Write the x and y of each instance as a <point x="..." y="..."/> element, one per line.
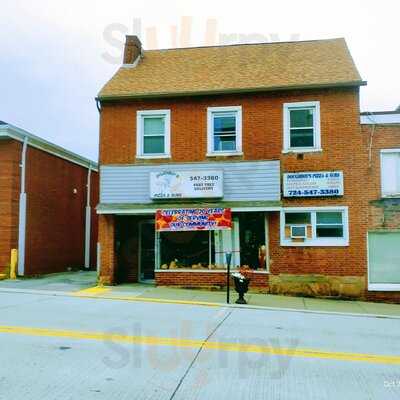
<point x="186" y="184"/>
<point x="313" y="184"/>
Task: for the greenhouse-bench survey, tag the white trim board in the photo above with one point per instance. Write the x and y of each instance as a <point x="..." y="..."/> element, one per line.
<point x="13" y="132"/>
<point x="380" y="119"/>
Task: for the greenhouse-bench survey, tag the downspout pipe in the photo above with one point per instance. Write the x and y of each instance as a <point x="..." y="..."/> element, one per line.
<point x="88" y="212"/>
<point x="22" y="212"/>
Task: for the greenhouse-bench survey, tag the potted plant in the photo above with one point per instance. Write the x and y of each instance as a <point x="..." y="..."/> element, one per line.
<point x="242" y="279"/>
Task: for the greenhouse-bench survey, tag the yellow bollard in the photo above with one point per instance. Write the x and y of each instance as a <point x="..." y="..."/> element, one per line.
<point x="13" y="264"/>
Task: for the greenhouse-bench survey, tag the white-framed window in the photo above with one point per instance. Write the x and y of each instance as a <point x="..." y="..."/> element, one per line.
<point x="153" y="134"/>
<point x="301" y="127"/>
<point x="323" y="226"/>
<point x="383" y="260"/>
<point x="390" y="172"/>
<point x="224" y="131"/>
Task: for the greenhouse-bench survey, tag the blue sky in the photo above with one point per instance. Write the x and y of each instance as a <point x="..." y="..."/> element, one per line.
<point x="56" y="55"/>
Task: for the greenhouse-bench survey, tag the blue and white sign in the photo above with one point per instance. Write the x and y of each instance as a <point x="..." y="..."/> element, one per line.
<point x="186" y="184"/>
<point x="313" y="184"/>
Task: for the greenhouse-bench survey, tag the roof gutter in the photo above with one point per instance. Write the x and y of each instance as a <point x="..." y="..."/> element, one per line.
<point x="134" y="96"/>
<point x="13" y="132"/>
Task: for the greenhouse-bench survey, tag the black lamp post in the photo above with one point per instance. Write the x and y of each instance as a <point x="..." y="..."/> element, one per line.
<point x="228" y="257"/>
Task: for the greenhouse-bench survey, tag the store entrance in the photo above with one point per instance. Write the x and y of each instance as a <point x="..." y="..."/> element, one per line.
<point x="253" y="239"/>
<point x="146" y="250"/>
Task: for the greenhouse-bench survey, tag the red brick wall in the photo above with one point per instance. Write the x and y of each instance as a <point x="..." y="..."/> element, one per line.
<point x="10" y="154"/>
<point x="107" y="249"/>
<point x="204" y="279"/>
<point x="343" y="149"/>
<point x="383" y="137"/>
<point x="55" y="226"/>
<point x="381" y="214"/>
<point x="262" y="125"/>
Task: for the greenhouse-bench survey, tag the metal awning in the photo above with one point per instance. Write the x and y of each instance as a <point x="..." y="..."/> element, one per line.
<point x="150" y="208"/>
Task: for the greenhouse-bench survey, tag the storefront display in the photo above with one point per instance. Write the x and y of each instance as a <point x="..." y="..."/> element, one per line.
<point x="199" y="239"/>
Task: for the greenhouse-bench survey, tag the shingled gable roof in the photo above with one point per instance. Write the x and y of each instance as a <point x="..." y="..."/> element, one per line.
<point x="235" y="68"/>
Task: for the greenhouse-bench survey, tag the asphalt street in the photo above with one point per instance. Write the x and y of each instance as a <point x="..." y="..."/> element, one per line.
<point x="60" y="347"/>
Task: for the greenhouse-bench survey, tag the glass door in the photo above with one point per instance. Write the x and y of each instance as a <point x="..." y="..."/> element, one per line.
<point x="227" y="241"/>
<point x="146" y="250"/>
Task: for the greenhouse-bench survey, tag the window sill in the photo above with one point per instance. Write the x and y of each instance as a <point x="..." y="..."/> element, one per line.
<point x="384" y="287"/>
<point x="208" y="270"/>
<point x="225" y="154"/>
<point x="205" y="270"/>
<point x="304" y="150"/>
<point x="152" y="156"/>
<point x="316" y="243"/>
<point x="391" y="196"/>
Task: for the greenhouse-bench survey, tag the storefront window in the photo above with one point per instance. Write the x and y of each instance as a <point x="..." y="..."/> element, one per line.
<point x="207" y="249"/>
<point x="192" y="249"/>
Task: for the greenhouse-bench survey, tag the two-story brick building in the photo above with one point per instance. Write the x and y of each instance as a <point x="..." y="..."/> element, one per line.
<point x="254" y="150"/>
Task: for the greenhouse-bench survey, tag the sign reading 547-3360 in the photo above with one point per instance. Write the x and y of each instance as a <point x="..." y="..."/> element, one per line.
<point x="167" y="184"/>
<point x="313" y="184"/>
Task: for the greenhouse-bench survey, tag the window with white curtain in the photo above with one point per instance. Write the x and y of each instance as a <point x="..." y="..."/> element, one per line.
<point x="390" y="172"/>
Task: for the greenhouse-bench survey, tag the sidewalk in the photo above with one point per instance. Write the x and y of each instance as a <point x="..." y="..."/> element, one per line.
<point x="83" y="284"/>
<point x="143" y="292"/>
<point x="60" y="282"/>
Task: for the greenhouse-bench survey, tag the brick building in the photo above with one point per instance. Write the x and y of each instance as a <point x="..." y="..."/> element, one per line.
<point x="267" y="136"/>
<point x="381" y="135"/>
<point x="45" y="210"/>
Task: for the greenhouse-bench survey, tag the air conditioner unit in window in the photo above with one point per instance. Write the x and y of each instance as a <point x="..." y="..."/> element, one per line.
<point x="298" y="231"/>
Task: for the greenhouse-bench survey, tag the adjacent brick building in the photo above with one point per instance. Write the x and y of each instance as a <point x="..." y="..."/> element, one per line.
<point x="45" y="211"/>
<point x="381" y="136"/>
<point x="270" y="132"/>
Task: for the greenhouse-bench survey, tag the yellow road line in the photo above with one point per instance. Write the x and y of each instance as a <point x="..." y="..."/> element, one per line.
<point x="97" y="292"/>
<point x="194" y="343"/>
<point x="156" y="300"/>
<point x="91" y="291"/>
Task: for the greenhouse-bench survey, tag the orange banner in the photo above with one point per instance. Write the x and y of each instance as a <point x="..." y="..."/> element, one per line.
<point x="193" y="219"/>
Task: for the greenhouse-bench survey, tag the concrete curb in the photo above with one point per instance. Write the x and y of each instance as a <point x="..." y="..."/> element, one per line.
<point x="189" y="302"/>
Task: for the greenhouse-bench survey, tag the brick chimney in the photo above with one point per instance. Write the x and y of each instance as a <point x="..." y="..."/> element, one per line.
<point x="132" y="50"/>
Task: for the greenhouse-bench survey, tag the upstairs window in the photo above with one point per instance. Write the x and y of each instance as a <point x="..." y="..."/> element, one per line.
<point x="224" y="130"/>
<point x="301" y="124"/>
<point x="390" y="172"/>
<point x="153" y="134"/>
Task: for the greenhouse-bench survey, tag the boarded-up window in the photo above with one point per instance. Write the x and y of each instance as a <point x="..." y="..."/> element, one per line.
<point x="384" y="257"/>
